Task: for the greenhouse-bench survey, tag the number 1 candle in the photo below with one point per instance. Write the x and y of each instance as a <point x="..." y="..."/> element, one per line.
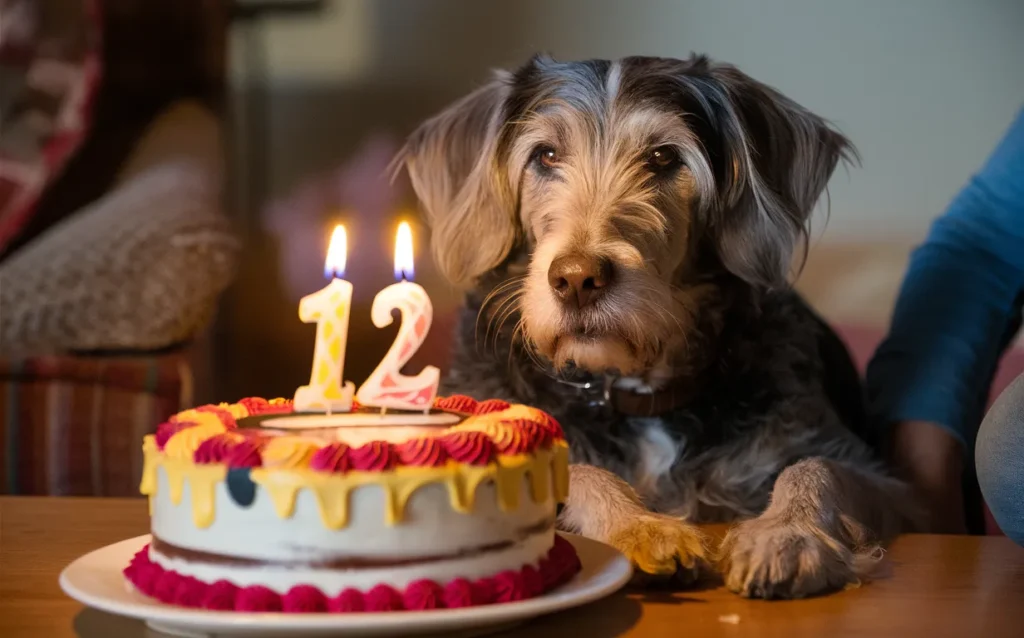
<point x="329" y="308"/>
<point x="387" y="387"/>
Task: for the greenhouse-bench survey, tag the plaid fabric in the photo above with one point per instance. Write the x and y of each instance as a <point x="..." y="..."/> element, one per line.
<point x="73" y="425"/>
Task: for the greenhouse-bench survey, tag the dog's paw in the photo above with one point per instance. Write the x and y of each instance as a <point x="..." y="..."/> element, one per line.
<point x="661" y="547"/>
<point x="769" y="558"/>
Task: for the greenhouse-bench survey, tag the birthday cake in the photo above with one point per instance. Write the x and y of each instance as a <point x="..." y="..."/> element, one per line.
<point x="256" y="507"/>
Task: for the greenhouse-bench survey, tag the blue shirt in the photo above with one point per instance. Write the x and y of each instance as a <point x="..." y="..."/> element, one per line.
<point x="960" y="303"/>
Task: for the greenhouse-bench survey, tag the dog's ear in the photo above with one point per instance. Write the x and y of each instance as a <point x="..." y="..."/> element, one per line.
<point x="772" y="159"/>
<point x="454" y="168"/>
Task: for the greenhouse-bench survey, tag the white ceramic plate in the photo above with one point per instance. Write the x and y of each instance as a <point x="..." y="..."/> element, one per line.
<point x="95" y="580"/>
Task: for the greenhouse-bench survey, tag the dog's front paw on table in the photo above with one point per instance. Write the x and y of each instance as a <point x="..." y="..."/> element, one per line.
<point x="771" y="558"/>
<point x="661" y="548"/>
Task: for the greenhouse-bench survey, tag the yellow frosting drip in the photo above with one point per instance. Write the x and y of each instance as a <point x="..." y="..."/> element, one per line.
<point x="332" y="490"/>
<point x="149" y="458"/>
<point x="561" y="470"/>
<point x="202" y="481"/>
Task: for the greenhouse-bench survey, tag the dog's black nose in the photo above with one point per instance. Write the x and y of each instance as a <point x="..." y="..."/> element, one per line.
<point x="578" y="280"/>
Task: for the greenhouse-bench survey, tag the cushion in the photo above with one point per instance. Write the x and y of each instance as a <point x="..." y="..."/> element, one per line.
<point x="140" y="269"/>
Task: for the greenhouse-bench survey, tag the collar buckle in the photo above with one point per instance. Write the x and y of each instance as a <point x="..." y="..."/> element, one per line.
<point x="596" y="392"/>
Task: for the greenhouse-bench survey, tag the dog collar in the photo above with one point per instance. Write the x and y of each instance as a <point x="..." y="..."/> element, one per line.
<point x="602" y="393"/>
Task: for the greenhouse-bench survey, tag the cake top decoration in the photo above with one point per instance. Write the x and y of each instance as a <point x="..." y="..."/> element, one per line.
<point x="218" y="434"/>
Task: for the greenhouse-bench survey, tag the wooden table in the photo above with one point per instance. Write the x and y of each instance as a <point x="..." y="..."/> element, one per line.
<point x="933" y="586"/>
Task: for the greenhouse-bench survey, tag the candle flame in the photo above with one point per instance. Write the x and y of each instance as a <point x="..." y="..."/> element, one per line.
<point x="337" y="253"/>
<point x="404" y="268"/>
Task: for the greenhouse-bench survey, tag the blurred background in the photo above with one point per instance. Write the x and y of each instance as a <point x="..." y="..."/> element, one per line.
<point x="170" y="173"/>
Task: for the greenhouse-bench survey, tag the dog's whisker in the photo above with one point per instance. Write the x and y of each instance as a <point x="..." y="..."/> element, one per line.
<point x="511" y="307"/>
<point x="507" y="292"/>
<point x="510" y="300"/>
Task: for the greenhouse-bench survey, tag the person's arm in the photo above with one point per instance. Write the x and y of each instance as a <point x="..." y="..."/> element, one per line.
<point x="956" y="312"/>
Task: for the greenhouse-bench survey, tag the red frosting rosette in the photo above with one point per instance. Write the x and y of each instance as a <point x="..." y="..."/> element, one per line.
<point x="216" y="448"/>
<point x="256" y="598"/>
<point x="304" y="599"/>
<point x="332" y="458"/>
<point x="492" y="405"/>
<point x="538" y="435"/>
<point x="423" y="594"/>
<point x="349" y="600"/>
<point x="509" y="587"/>
<point x="280" y="406"/>
<point x="456" y="403"/>
<point x="165" y="586"/>
<point x="244" y="453"/>
<point x="564" y="558"/>
<point x="510" y="438"/>
<point x="254" y="405"/>
<point x="190" y="592"/>
<point x="383" y="598"/>
<point x="374" y="456"/>
<point x="459" y="593"/>
<point x="220" y="596"/>
<point x="533" y="582"/>
<point x="466" y="446"/>
<point x="422" y="452"/>
<point x="550" y="424"/>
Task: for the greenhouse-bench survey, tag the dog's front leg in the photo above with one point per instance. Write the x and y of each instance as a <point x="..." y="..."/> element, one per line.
<point x="603" y="507"/>
<point x="821" y="532"/>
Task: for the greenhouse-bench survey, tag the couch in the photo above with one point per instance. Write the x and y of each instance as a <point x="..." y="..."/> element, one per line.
<point x="113" y="260"/>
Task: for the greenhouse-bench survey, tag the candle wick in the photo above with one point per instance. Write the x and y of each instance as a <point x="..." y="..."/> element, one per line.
<point x="328" y="409"/>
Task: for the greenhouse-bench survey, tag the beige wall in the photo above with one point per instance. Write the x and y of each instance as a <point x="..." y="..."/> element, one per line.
<point x="923" y="87"/>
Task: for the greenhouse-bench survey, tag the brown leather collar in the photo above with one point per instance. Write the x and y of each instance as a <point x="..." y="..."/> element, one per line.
<point x="676" y="394"/>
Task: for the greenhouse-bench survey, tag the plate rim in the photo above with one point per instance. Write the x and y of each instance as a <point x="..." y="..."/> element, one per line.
<point x="550" y="602"/>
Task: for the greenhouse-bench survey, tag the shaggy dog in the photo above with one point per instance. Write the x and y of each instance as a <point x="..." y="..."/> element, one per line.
<point x="625" y="230"/>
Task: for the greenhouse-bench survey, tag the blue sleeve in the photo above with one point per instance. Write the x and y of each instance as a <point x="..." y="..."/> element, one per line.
<point x="959" y="303"/>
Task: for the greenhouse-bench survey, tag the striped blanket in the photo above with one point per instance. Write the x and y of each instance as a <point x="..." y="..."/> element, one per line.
<point x="73" y="425"/>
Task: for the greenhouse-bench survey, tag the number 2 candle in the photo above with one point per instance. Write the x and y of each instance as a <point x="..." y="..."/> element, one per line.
<point x="387" y="387"/>
<point x="329" y="308"/>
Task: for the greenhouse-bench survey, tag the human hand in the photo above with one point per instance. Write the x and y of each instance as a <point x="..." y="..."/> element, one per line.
<point x="932" y="460"/>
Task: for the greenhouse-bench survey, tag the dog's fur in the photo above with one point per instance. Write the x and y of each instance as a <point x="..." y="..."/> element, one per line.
<point x="701" y="256"/>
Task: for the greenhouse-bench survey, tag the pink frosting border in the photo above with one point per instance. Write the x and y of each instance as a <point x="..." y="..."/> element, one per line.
<point x="167" y="586"/>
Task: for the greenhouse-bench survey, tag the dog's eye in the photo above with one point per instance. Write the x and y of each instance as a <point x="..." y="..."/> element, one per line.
<point x="546" y="156"/>
<point x="663" y="158"/>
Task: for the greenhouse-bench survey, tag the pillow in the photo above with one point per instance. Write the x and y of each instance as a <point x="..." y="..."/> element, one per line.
<point x="49" y="75"/>
<point x="140" y="269"/>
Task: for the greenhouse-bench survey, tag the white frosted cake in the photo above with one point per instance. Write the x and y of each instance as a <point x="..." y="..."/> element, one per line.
<point x="255" y="508"/>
